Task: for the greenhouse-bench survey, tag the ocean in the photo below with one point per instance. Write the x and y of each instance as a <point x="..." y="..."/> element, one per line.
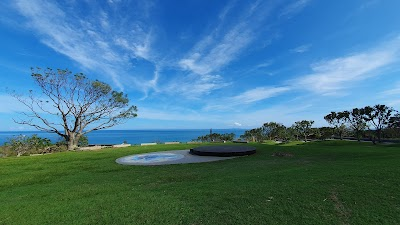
<point x="129" y="136"/>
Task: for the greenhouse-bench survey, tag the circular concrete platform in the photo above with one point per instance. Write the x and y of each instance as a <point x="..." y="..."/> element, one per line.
<point x="167" y="158"/>
<point x="223" y="150"/>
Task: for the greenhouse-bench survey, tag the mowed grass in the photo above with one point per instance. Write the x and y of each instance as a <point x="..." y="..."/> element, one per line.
<point x="329" y="182"/>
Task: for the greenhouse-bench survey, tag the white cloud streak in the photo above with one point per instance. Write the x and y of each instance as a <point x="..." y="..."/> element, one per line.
<point x="330" y="76"/>
<point x="301" y="48"/>
<point x="195" y="86"/>
<point x="220" y="54"/>
<point x="294" y="8"/>
<point x="223" y="44"/>
<point x="247" y="97"/>
<point x="393" y="91"/>
<point x="88" y="41"/>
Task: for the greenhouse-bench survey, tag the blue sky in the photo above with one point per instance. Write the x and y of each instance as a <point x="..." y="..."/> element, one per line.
<point x="210" y="64"/>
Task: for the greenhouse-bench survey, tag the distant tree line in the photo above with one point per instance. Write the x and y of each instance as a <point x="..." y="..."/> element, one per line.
<point x="379" y="121"/>
<point x="369" y="122"/>
<point x="300" y="130"/>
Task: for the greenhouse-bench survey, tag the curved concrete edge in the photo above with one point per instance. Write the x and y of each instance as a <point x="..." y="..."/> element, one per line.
<point x="188" y="158"/>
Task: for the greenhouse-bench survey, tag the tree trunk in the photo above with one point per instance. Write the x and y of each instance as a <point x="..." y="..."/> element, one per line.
<point x="72" y="141"/>
<point x="379" y="132"/>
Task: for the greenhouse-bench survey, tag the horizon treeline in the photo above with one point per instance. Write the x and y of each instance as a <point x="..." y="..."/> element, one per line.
<point x="367" y="123"/>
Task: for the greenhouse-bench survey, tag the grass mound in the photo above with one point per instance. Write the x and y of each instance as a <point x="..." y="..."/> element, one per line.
<point x="332" y="182"/>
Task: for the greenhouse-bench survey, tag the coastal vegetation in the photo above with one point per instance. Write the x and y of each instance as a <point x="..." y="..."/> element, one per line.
<point x="368" y="123"/>
<point x="320" y="182"/>
<point x="215" y="137"/>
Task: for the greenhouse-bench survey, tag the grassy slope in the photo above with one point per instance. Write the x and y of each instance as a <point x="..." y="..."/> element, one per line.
<point x="324" y="183"/>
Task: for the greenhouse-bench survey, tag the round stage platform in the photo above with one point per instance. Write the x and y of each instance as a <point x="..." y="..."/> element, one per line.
<point x="223" y="150"/>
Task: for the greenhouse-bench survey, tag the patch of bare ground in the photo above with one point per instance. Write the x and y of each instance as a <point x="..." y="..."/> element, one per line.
<point x="341" y="211"/>
<point x="282" y="154"/>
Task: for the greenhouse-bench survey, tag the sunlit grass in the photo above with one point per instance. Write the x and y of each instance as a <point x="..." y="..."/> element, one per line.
<point x="330" y="182"/>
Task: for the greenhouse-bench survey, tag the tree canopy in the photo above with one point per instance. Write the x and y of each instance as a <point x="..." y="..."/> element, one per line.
<point x="72" y="105"/>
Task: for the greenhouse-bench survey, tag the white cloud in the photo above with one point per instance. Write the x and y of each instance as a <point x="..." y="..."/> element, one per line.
<point x="89" y="41"/>
<point x="391" y="96"/>
<point x="264" y="65"/>
<point x="224" y="43"/>
<point x="140" y="48"/>
<point x="219" y="54"/>
<point x="194" y="86"/>
<point x="294" y="8"/>
<point x="237" y="124"/>
<point x="301" y="48"/>
<point x="393" y="91"/>
<point x="246" y="98"/>
<point x="330" y="76"/>
<point x="258" y="94"/>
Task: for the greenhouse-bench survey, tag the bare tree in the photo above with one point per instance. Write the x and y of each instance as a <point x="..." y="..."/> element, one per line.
<point x="71" y="105"/>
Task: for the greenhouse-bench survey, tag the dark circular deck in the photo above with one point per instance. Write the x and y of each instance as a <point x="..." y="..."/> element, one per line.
<point x="223" y="150"/>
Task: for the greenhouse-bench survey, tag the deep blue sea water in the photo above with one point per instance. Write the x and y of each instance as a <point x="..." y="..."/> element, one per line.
<point x="130" y="136"/>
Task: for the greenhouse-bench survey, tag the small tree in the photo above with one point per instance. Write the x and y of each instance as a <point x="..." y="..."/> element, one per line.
<point x="227" y="137"/>
<point x="378" y="116"/>
<point x="394" y="126"/>
<point x="338" y="121"/>
<point x="326" y="132"/>
<point x="254" y="135"/>
<point x="357" y="121"/>
<point x="72" y="105"/>
<point x="394" y="121"/>
<point x="273" y="130"/>
<point x="282" y="132"/>
<point x="303" y="128"/>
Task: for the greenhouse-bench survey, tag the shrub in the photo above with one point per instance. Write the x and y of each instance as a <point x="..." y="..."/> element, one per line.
<point x="83" y="141"/>
<point x="24" y="145"/>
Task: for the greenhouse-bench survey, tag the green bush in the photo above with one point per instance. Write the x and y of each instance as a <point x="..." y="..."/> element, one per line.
<point x="25" y="145"/>
<point x="83" y="141"/>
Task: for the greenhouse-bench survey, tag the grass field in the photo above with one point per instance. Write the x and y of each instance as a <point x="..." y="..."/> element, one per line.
<point x="330" y="182"/>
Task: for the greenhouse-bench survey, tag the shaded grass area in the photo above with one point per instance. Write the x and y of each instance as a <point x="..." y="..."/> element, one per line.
<point x="331" y="182"/>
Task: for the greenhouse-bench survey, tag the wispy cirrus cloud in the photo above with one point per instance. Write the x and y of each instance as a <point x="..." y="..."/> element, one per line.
<point x="89" y="41"/>
<point x="224" y="43"/>
<point x="257" y="94"/>
<point x="391" y="95"/>
<point x="301" y="48"/>
<point x="395" y="90"/>
<point x="216" y="55"/>
<point x="246" y="98"/>
<point x="331" y="76"/>
<point x="194" y="86"/>
<point x="294" y="8"/>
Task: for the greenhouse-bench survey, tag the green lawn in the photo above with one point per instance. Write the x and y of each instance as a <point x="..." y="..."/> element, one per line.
<point x="328" y="182"/>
